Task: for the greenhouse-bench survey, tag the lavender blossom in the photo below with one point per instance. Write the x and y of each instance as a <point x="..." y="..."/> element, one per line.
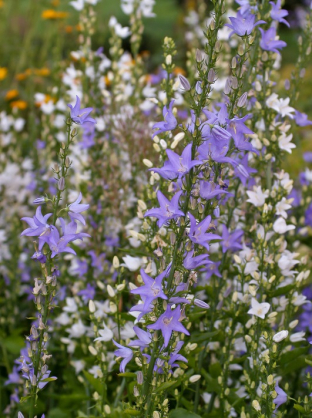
<point x="169" y="209"/>
<point x="151" y="290"/>
<point x="277" y="13"/>
<point x="268" y="42"/>
<point x="231" y="241"/>
<point x="38" y="224"/>
<point x="198" y="233"/>
<point x="168" y="322"/>
<point x="75" y="208"/>
<point x="302" y="119"/>
<point x="80" y="116"/>
<point x="178" y="165"/>
<point x="125" y="353"/>
<point x="170" y="122"/>
<point x="243" y="25"/>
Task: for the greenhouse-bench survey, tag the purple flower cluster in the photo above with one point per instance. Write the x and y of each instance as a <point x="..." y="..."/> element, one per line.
<point x="49" y="234"/>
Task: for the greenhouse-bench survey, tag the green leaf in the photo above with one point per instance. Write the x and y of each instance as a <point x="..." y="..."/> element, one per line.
<point x="132" y="412"/>
<point x="166" y="386"/>
<point x="49" y="379"/>
<point x="93" y="381"/>
<point x="57" y="413"/>
<point x="292" y="355"/>
<point x="13" y="344"/>
<point x="282" y="290"/>
<point x="200" y="337"/>
<point x="215" y="370"/>
<point x="299" y="408"/>
<point x="182" y="413"/>
<point x="127" y="374"/>
<point x="309" y="362"/>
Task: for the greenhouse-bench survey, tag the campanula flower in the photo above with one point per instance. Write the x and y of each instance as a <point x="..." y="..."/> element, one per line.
<point x="125" y="353"/>
<point x="281" y="397"/>
<point x="169" y="209"/>
<point x="277" y="13"/>
<point x="243" y="25"/>
<point x="302" y="119"/>
<point x="75" y="208"/>
<point x="80" y="116"/>
<point x="231" y="241"/>
<point x="38" y="224"/>
<point x="198" y="232"/>
<point x="144" y="340"/>
<point x="152" y="289"/>
<point x="268" y="41"/>
<point x="178" y="165"/>
<point x="168" y="322"/>
<point x="170" y="122"/>
<point x="191" y="263"/>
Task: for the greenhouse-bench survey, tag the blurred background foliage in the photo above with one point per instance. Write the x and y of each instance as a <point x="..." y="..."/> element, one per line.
<point x="38" y="35"/>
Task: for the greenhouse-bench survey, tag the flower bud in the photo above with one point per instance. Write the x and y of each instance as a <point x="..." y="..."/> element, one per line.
<point x="242" y="100"/>
<point x="194" y="378"/>
<point x="110" y="291"/>
<point x="116" y="262"/>
<point x="211" y="76"/>
<point x="199" y="56"/>
<point x="61" y="184"/>
<point x="201" y="304"/>
<point x="91" y="306"/>
<point x="184" y="82"/>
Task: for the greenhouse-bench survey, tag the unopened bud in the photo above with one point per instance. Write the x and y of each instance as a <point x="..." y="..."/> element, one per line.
<point x="242" y="100"/>
<point x="184" y="83"/>
<point x="61" y="184"/>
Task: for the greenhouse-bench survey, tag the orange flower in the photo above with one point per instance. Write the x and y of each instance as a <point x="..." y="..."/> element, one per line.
<point x="51" y="14"/>
<point x="11" y="94"/>
<point x="18" y="104"/>
<point x="107" y="80"/>
<point x="25" y="74"/>
<point x="44" y="72"/>
<point x="68" y="29"/>
<point x="179" y="70"/>
<point x="3" y="73"/>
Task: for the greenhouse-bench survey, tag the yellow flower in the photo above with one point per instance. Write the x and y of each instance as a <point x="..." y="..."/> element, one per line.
<point x="18" y="104"/>
<point x="11" y="94"/>
<point x="1" y="4"/>
<point x="51" y="14"/>
<point x="3" y="73"/>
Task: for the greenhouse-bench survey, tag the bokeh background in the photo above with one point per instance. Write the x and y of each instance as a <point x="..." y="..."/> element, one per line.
<point x="37" y="35"/>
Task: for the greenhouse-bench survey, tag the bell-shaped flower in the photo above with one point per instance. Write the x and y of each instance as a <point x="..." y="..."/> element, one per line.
<point x="75" y="208"/>
<point x="80" y="116"/>
<point x="198" y="232"/>
<point x="170" y="122"/>
<point x="168" y="322"/>
<point x="169" y="209"/>
<point x="152" y="289"/>
<point x="125" y="353"/>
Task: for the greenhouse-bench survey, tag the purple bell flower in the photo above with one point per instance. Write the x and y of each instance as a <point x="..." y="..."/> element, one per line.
<point x="168" y="322"/>
<point x="243" y="25"/>
<point x="169" y="209"/>
<point x="124" y="352"/>
<point x="170" y="122"/>
<point x="151" y="290"/>
<point x="277" y="13"/>
<point x="268" y="42"/>
<point x="80" y="116"/>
